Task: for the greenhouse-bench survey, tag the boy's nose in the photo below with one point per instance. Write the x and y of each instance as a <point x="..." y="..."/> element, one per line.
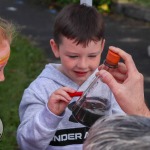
<point x="83" y="63"/>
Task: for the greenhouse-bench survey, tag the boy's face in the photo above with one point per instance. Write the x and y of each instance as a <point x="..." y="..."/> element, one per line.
<point x="4" y="56"/>
<point x="78" y="62"/>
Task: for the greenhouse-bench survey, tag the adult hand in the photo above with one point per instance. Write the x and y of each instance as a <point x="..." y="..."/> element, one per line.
<point x="119" y="73"/>
<point x="130" y="92"/>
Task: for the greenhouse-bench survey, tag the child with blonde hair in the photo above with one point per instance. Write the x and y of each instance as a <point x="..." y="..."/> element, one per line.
<point x="6" y="34"/>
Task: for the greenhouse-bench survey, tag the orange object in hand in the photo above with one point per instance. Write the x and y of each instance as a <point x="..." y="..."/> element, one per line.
<point x="112" y="59"/>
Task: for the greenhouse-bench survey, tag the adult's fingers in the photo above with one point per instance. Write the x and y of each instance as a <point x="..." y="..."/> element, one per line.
<point x="122" y="68"/>
<point x="107" y="78"/>
<point x="126" y="57"/>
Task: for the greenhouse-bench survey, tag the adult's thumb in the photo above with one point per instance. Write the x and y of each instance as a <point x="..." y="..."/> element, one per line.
<point x="107" y="78"/>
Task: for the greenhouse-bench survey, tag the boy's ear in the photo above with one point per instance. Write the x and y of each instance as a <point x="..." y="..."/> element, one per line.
<point x="54" y="48"/>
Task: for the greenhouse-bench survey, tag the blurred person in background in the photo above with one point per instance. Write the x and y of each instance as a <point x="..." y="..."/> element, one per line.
<point x="119" y="133"/>
<point x="6" y="35"/>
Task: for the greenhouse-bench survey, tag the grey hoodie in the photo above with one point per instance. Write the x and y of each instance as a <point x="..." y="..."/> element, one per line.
<point x="40" y="129"/>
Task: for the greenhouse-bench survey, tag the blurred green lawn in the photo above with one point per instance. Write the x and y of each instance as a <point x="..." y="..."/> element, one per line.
<point x="25" y="63"/>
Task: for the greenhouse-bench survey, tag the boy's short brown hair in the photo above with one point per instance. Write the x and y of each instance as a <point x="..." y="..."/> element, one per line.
<point x="80" y="23"/>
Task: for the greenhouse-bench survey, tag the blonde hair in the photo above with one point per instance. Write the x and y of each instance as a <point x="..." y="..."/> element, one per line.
<point x="7" y="30"/>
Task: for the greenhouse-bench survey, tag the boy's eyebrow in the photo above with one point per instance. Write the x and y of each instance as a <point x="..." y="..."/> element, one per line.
<point x="4" y="58"/>
<point x="95" y="52"/>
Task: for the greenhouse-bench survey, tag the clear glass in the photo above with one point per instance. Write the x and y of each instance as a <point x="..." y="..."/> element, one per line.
<point x="96" y="100"/>
<point x="93" y="104"/>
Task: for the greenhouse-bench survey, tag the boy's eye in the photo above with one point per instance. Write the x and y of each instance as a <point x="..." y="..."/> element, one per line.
<point x="73" y="56"/>
<point x="92" y="56"/>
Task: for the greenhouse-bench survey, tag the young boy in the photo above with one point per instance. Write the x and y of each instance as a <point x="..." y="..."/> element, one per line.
<point x="6" y="33"/>
<point x="46" y="121"/>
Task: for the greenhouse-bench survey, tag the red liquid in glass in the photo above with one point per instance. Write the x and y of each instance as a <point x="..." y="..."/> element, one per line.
<point x="90" y="110"/>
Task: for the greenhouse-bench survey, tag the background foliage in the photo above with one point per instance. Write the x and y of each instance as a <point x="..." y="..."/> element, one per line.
<point x="101" y="5"/>
<point x="25" y="63"/>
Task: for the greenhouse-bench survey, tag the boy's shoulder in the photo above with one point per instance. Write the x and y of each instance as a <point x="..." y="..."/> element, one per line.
<point x="50" y="78"/>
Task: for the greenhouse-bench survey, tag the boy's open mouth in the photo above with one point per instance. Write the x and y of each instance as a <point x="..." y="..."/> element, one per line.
<point x="80" y="73"/>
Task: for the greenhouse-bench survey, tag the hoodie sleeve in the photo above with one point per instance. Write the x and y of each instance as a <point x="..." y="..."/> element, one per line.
<point x="38" y="124"/>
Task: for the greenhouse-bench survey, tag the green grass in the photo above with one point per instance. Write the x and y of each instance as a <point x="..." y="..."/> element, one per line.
<point x="25" y="63"/>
